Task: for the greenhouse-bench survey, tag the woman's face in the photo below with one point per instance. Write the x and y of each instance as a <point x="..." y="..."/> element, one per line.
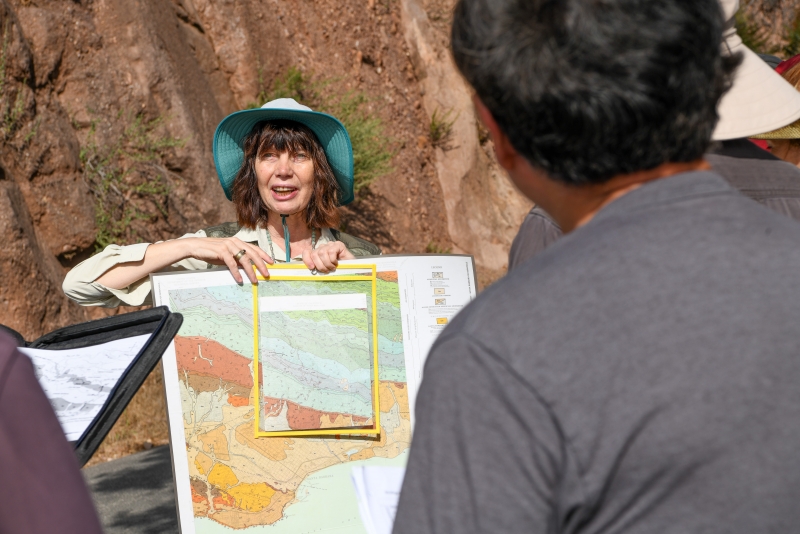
<point x="285" y="181"/>
<point x="786" y="150"/>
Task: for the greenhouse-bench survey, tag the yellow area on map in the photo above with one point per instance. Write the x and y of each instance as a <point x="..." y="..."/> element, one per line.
<point x="221" y="475"/>
<point x="252" y="497"/>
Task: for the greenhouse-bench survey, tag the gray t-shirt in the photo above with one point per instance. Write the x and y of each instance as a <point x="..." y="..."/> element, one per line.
<point x="641" y="375"/>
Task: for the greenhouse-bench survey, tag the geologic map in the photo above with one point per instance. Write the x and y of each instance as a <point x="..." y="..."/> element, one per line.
<point x="277" y="484"/>
<point x="316" y="354"/>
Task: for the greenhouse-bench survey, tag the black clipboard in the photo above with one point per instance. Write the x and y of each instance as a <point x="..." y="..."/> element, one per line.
<point x="159" y="323"/>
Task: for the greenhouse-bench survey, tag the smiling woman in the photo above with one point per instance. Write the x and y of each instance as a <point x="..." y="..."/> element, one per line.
<point x="287" y="169"/>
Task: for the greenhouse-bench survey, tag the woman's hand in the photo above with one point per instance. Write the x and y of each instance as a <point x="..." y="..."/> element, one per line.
<point x="326" y="257"/>
<point x="223" y="251"/>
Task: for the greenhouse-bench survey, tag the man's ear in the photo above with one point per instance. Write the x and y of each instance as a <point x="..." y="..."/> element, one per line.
<point x="506" y="154"/>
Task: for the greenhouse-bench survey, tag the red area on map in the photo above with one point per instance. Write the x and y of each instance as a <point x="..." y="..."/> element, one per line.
<point x="304" y="418"/>
<point x="203" y="356"/>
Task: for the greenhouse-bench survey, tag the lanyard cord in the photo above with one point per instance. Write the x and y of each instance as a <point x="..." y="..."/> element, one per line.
<point x="286" y="240"/>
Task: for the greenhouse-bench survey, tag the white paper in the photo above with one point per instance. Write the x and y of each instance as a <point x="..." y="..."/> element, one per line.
<point x="340" y="301"/>
<point x="360" y="486"/>
<point x="79" y="381"/>
<point x="378" y="492"/>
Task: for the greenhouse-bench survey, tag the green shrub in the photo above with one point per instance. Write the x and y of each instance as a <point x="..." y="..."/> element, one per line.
<point x="753" y="36"/>
<point x="125" y="175"/>
<point x="792" y="38"/>
<point x="11" y="109"/>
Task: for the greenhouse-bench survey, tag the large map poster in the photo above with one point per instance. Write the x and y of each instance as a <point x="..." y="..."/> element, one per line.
<point x="277" y="485"/>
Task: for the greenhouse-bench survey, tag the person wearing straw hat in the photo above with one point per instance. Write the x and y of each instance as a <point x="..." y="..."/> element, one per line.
<point x="287" y="169"/>
<point x="758" y="101"/>
<point x="784" y="142"/>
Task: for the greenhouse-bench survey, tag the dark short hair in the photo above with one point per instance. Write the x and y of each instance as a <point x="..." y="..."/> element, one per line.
<point x="589" y="89"/>
<point x="292" y="137"/>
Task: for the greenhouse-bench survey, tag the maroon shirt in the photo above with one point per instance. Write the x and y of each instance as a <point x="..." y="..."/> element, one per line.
<point x="41" y="487"/>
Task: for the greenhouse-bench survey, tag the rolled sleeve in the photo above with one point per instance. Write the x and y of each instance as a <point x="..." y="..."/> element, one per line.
<point x="80" y="283"/>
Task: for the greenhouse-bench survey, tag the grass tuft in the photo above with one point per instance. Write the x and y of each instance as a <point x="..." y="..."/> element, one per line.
<point x="435" y="248"/>
<point x="440" y="128"/>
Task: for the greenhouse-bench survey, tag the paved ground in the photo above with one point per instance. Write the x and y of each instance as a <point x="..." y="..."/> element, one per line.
<point x="135" y="494"/>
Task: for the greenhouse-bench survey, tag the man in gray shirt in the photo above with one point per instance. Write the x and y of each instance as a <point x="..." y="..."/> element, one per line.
<point x="759" y="101"/>
<point x="641" y="374"/>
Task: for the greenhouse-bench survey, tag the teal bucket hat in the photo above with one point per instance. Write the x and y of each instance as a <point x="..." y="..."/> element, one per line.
<point x="332" y="135"/>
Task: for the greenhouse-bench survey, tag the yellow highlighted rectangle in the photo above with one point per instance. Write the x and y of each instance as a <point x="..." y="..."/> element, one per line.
<point x="373" y="277"/>
<point x="441" y="320"/>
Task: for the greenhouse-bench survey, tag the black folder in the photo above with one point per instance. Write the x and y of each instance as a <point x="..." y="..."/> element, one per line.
<point x="159" y="323"/>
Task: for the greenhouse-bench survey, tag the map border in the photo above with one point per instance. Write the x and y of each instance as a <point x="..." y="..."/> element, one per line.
<point x="376" y="427"/>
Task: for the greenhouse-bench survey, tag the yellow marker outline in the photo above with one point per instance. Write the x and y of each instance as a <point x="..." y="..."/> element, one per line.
<point x="376" y="429"/>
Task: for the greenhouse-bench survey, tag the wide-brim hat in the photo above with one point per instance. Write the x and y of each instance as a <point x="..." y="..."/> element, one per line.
<point x="790" y="131"/>
<point x="759" y="100"/>
<point x="332" y="135"/>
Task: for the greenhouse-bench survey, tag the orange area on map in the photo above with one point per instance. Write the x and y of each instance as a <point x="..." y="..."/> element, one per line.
<point x="252" y="497"/>
<point x="203" y="463"/>
<point x="222" y="476"/>
<point x="237" y="401"/>
<point x="238" y="519"/>
<point x="364" y="454"/>
<point x="216" y="443"/>
<point x="199" y="500"/>
<point x="388" y="276"/>
<point x="224" y="499"/>
<point x="197" y="354"/>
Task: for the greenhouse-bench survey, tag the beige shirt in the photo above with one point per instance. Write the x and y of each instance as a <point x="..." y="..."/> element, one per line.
<point x="80" y="285"/>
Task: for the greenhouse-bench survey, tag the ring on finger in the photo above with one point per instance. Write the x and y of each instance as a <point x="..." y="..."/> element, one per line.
<point x="239" y="254"/>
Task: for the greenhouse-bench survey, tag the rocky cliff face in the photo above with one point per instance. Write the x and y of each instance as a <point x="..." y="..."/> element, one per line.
<point x="107" y="109"/>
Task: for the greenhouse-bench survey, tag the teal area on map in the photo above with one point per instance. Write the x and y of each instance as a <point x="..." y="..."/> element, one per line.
<point x="316" y="364"/>
<point x="320" y="359"/>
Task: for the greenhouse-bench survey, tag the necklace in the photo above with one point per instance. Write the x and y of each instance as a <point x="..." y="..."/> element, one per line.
<point x="288" y="254"/>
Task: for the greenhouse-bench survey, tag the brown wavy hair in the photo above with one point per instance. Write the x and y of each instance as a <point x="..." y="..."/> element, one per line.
<point x="285" y="135"/>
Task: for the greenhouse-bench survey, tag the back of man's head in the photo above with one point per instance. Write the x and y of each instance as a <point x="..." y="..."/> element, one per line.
<point x="590" y="89"/>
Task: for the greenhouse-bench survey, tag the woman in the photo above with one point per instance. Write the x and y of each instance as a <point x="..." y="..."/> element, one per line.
<point x="287" y="169"/>
<point x="785" y="142"/>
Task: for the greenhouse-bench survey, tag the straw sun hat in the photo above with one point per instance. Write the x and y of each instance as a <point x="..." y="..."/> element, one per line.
<point x="332" y="135"/>
<point x="759" y="100"/>
<point x="791" y="131"/>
